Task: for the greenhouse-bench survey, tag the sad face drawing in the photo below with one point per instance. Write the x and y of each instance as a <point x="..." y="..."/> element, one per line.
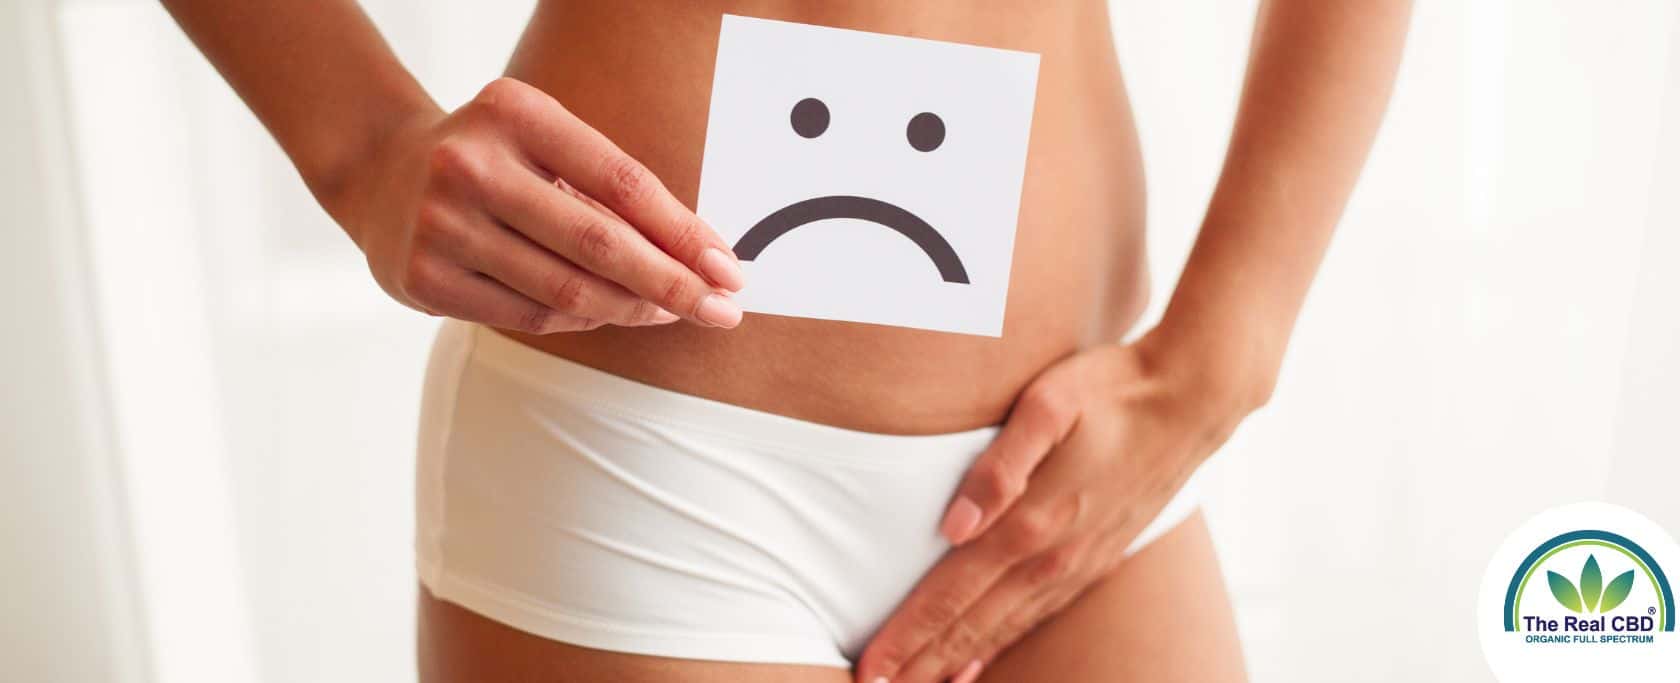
<point x="865" y="177"/>
<point x="810" y="118"/>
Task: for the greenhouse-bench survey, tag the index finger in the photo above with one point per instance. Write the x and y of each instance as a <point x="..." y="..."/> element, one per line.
<point x="565" y="146"/>
<point x="938" y="600"/>
<point x="998" y="477"/>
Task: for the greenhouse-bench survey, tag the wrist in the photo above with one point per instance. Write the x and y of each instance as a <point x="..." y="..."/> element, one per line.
<point x="1227" y="377"/>
<point x="342" y="181"/>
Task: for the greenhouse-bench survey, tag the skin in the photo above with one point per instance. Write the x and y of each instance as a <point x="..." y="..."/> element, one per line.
<point x="556" y="206"/>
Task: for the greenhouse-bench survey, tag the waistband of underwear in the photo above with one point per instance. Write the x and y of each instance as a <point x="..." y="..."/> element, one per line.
<point x="599" y="390"/>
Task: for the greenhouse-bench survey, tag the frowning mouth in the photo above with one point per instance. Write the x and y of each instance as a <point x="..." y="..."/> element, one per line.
<point x="861" y="208"/>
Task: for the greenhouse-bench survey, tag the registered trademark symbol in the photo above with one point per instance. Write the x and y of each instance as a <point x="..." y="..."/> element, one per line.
<point x="1650" y="610"/>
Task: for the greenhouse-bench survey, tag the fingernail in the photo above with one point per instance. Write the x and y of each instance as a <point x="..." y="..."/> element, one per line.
<point x="960" y="521"/>
<point x="664" y="316"/>
<point x="968" y="673"/>
<point x="719" y="311"/>
<point x="721" y="269"/>
<point x="879" y="679"/>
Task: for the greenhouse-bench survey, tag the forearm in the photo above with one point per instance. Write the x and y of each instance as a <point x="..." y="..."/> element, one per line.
<point x="1318" y="81"/>
<point x="316" y="73"/>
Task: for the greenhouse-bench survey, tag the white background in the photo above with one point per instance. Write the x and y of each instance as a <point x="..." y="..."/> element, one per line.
<point x="206" y="435"/>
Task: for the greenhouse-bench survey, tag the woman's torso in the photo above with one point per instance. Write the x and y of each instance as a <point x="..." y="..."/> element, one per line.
<point x="641" y="73"/>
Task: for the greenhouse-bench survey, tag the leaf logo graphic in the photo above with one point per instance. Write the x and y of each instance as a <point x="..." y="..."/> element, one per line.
<point x="1593" y="595"/>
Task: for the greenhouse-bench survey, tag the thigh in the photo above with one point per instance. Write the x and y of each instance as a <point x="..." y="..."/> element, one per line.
<point x="460" y="646"/>
<point x="1162" y="617"/>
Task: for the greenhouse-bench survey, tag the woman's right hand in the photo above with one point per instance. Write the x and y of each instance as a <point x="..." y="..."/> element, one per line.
<point x="514" y="213"/>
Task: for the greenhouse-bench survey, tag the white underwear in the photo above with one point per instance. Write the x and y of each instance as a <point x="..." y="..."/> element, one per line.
<point x="594" y="510"/>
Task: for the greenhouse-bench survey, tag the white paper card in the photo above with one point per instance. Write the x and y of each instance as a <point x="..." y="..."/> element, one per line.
<point x="868" y="177"/>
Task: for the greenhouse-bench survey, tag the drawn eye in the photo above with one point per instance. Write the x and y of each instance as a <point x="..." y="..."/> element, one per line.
<point x="926" y="131"/>
<point x="809" y="118"/>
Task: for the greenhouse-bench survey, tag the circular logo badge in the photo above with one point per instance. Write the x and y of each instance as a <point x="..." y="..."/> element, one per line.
<point x="1581" y="593"/>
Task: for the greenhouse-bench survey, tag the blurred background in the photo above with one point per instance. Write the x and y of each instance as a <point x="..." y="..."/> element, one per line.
<point x="207" y="408"/>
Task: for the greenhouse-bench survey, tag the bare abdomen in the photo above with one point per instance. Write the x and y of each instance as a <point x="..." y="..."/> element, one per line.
<point x="641" y="73"/>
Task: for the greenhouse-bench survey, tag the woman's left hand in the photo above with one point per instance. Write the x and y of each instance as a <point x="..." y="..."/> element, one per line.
<point x="1095" y="446"/>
